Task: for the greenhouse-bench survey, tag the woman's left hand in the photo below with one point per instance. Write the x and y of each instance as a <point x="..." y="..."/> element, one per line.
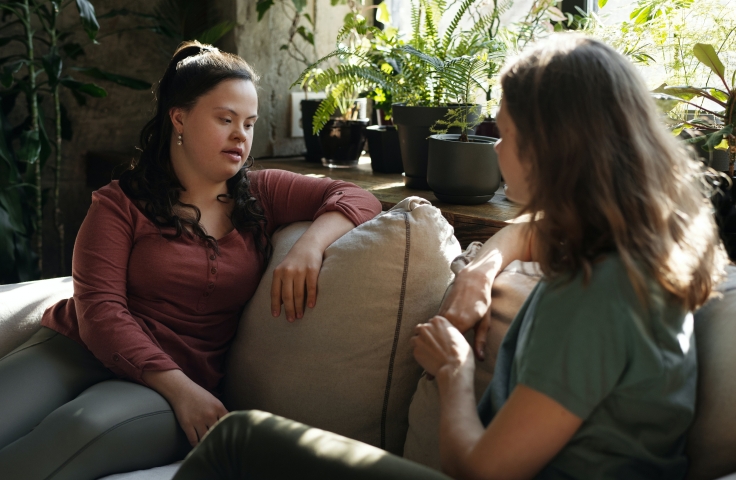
<point x="295" y="281"/>
<point x="440" y="346"/>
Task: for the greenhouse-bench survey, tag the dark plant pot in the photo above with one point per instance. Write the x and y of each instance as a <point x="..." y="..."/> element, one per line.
<point x="381" y="118"/>
<point x="311" y="141"/>
<point x="342" y="142"/>
<point x="463" y="173"/>
<point x="414" y="124"/>
<point x="488" y="128"/>
<point x="383" y="145"/>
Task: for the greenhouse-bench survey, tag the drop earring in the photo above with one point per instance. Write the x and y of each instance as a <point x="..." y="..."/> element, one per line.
<point x="179" y="140"/>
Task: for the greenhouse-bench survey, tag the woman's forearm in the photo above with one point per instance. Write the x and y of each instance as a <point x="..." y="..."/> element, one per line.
<point x="460" y="426"/>
<point x="323" y="232"/>
<point x="512" y="242"/>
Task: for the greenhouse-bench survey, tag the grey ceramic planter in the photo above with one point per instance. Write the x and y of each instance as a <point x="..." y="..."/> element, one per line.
<point x="464" y="173"/>
<point x="413" y="124"/>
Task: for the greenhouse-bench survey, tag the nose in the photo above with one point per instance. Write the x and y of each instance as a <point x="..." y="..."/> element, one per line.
<point x="239" y="133"/>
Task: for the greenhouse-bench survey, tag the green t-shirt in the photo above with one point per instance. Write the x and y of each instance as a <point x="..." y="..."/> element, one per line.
<point x="628" y="370"/>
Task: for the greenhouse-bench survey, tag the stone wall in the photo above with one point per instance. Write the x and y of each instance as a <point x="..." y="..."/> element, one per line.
<point x="259" y="43"/>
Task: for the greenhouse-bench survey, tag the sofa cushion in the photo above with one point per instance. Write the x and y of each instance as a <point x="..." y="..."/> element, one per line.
<point x="22" y="306"/>
<point x="711" y="444"/>
<point x="510" y="290"/>
<point x="347" y="366"/>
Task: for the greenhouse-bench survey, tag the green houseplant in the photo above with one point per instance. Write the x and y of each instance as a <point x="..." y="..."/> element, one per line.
<point x="462" y="168"/>
<point x="36" y="70"/>
<point x="719" y="130"/>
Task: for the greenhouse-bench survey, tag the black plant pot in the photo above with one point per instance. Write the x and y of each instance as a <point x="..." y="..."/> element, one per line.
<point x="383" y="145"/>
<point x="311" y="141"/>
<point x="463" y="173"/>
<point x="488" y="128"/>
<point x="342" y="142"/>
<point x="414" y="124"/>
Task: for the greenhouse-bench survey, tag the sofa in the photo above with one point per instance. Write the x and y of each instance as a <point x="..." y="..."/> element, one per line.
<point x="347" y="366"/>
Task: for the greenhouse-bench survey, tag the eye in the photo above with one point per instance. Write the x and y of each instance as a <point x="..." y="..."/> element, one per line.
<point x="226" y="120"/>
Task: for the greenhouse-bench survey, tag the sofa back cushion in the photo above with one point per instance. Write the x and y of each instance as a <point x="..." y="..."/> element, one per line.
<point x="347" y="366"/>
<point x="510" y="290"/>
<point x="711" y="445"/>
<point x="22" y="306"/>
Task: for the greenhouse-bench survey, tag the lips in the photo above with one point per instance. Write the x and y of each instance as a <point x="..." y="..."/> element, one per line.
<point x="236" y="154"/>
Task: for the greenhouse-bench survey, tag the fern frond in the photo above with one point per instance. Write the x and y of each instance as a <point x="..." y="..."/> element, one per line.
<point x="310" y="70"/>
<point x="450" y="33"/>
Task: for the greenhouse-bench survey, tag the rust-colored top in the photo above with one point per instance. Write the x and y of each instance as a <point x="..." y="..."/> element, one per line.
<point x="145" y="302"/>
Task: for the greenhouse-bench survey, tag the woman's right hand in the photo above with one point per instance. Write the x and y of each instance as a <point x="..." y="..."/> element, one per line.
<point x="196" y="409"/>
<point x="468" y="305"/>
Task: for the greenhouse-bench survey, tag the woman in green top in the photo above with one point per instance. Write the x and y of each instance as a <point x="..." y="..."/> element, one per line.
<point x="596" y="375"/>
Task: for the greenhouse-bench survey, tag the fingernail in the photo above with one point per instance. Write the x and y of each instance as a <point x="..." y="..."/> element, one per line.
<point x="311" y="305"/>
<point x="289" y="319"/>
<point x="275" y="313"/>
<point x="299" y="316"/>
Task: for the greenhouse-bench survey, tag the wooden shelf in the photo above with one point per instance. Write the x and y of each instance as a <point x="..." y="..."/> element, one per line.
<point x="471" y="222"/>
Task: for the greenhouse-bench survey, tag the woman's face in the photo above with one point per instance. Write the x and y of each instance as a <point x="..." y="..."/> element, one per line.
<point x="514" y="171"/>
<point x="217" y="133"/>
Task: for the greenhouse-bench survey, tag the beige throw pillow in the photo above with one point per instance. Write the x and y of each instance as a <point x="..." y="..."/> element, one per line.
<point x="711" y="445"/>
<point x="347" y="366"/>
<point x="510" y="290"/>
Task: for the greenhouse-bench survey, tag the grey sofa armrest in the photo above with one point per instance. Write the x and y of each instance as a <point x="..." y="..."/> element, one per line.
<point x="23" y="304"/>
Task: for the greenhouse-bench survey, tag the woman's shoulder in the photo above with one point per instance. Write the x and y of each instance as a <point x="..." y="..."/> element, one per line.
<point x="111" y="191"/>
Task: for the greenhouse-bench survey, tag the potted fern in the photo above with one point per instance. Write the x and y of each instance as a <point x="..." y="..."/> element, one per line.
<point x="362" y="70"/>
<point x="463" y="168"/>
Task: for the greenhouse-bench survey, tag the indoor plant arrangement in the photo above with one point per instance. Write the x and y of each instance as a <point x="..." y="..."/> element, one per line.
<point x="462" y="168"/>
<point x="37" y="71"/>
<point x="363" y="70"/>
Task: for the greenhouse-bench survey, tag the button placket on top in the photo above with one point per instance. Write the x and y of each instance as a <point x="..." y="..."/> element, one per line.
<point x="211" y="278"/>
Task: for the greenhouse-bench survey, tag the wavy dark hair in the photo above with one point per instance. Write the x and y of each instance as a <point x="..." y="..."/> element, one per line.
<point x="194" y="70"/>
<point x="605" y="174"/>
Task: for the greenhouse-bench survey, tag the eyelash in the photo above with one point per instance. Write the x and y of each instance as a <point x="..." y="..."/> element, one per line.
<point x="227" y="120"/>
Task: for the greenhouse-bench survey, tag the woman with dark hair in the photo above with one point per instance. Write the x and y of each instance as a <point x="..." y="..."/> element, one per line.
<point x="125" y="374"/>
<point x="596" y="375"/>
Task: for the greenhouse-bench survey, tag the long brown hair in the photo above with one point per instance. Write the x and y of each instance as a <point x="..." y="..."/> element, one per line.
<point x="194" y="70"/>
<point x="605" y="174"/>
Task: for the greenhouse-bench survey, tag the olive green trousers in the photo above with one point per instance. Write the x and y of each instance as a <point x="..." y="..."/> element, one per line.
<point x="261" y="446"/>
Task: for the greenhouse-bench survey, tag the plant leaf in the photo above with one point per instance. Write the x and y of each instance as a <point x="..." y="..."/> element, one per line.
<point x="129" y="82"/>
<point x="30" y="146"/>
<point x="6" y="77"/>
<point x="214" y="33"/>
<point x="708" y="57"/>
<point x="714" y="139"/>
<point x="262" y="7"/>
<point x="52" y="64"/>
<point x="382" y="14"/>
<point x="88" y="18"/>
<point x="72" y="50"/>
<point x="602" y="3"/>
<point x="87" y="88"/>
<point x="299" y="4"/>
<point x="10" y="202"/>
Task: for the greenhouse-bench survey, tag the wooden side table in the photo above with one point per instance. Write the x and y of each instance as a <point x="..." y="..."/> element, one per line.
<point x="471" y="222"/>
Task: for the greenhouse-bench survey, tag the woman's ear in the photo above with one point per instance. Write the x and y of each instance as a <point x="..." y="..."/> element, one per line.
<point x="177" y="119"/>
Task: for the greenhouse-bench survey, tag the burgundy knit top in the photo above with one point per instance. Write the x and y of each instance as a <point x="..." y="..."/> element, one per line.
<point x="145" y="302"/>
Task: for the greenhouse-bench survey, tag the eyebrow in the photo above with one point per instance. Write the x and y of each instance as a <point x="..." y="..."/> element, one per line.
<point x="234" y="112"/>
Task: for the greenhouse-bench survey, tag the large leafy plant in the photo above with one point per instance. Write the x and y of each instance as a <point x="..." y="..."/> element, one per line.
<point x="38" y="67"/>
<point x="719" y="130"/>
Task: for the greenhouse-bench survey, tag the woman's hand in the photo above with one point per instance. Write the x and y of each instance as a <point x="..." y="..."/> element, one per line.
<point x="468" y="305"/>
<point x="295" y="281"/>
<point x="295" y="278"/>
<point x="196" y="409"/>
<point x="440" y="347"/>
